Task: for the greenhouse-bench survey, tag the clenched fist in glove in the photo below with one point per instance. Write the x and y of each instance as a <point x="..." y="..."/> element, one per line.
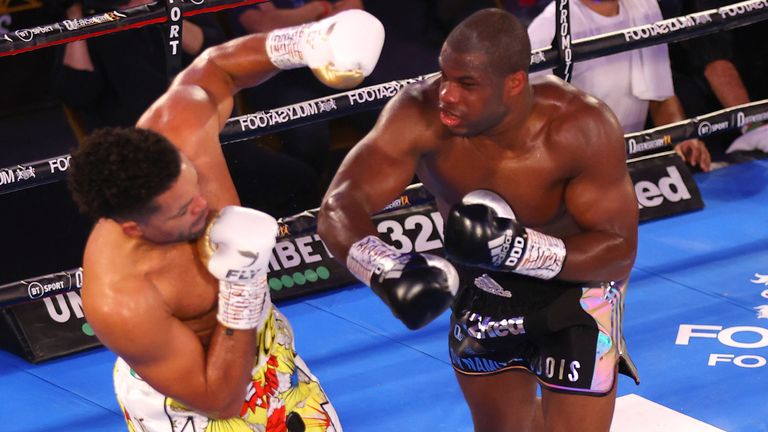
<point x="237" y="245"/>
<point x="341" y="50"/>
<point x="482" y="230"/>
<point x="416" y="287"/>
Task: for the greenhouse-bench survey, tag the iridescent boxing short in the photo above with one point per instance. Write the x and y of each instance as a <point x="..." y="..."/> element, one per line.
<point x="568" y="335"/>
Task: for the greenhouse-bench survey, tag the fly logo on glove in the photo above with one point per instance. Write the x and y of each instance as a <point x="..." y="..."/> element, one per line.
<point x="237" y="245"/>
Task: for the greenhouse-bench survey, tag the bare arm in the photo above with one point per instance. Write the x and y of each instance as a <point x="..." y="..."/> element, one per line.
<point x="192" y="38"/>
<point x="373" y="174"/>
<point x="417" y="288"/>
<point x="693" y="151"/>
<point x="601" y="200"/>
<point x="198" y="103"/>
<point x="669" y="110"/>
<point x="220" y="72"/>
<point x="168" y="355"/>
<point x="76" y="53"/>
<point x="726" y="83"/>
<point x="267" y="17"/>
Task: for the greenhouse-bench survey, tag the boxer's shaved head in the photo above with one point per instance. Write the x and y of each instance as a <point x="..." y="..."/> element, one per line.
<point x="497" y="34"/>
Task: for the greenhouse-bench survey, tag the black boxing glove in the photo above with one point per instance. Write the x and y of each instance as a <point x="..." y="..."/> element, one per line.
<point x="416" y="287"/>
<point x="482" y="231"/>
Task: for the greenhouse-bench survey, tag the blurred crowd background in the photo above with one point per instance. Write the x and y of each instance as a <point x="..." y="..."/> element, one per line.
<point x="52" y="97"/>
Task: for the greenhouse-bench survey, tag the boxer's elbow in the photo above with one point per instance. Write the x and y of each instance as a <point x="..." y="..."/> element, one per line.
<point x="324" y="216"/>
<point x="624" y="259"/>
<point x="329" y="221"/>
<point x="611" y="258"/>
<point x="230" y="411"/>
<point x="219" y="408"/>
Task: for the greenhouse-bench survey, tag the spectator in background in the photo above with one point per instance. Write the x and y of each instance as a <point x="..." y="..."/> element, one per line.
<point x="413" y="41"/>
<point x="308" y="144"/>
<point x="415" y="32"/>
<point x="525" y="10"/>
<point x="632" y="83"/>
<point x="112" y="79"/>
<point x="705" y="75"/>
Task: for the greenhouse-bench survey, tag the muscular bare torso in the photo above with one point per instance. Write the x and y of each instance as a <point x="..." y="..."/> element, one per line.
<point x="174" y="275"/>
<point x="122" y="270"/>
<point x="525" y="165"/>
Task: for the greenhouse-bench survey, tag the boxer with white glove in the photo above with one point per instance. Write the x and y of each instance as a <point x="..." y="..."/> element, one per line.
<point x="341" y="50"/>
<point x="416" y="287"/>
<point x="237" y="245"/>
<point x="482" y="231"/>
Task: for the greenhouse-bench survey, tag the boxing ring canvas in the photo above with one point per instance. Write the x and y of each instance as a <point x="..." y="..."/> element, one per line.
<point x="696" y="320"/>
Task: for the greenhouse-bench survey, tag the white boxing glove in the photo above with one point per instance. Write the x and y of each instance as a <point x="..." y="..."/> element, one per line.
<point x="341" y="50"/>
<point x="237" y="245"/>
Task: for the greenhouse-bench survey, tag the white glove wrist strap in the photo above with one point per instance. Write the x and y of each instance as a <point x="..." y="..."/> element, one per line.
<point x="284" y="46"/>
<point x="243" y="306"/>
<point x="543" y="257"/>
<point x="370" y="256"/>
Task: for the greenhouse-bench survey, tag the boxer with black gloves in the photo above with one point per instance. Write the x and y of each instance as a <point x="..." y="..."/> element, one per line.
<point x="416" y="287"/>
<point x="541" y="288"/>
<point x="198" y="340"/>
<point x="482" y="230"/>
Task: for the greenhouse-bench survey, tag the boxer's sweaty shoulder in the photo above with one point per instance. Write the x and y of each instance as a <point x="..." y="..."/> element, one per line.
<point x="415" y="116"/>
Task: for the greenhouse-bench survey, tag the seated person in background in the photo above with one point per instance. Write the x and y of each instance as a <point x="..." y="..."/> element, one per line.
<point x="111" y="80"/>
<point x="705" y="76"/>
<point x="632" y="83"/>
<point x="525" y="10"/>
<point x="176" y="271"/>
<point x="310" y="143"/>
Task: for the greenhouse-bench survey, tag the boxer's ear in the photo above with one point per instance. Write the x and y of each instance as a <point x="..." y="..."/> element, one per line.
<point x="515" y="82"/>
<point x="131" y="229"/>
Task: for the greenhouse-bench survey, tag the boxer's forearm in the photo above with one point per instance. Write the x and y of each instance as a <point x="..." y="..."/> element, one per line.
<point x="342" y="221"/>
<point x="229" y="362"/>
<point x="597" y="256"/>
<point x="237" y="64"/>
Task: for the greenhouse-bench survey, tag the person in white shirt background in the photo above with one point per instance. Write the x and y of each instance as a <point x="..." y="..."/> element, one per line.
<point x="632" y="83"/>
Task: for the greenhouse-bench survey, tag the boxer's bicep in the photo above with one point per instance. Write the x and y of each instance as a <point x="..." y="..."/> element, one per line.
<point x="603" y="200"/>
<point x="373" y="174"/>
<point x="600" y="196"/>
<point x="378" y="174"/>
<point x="159" y="348"/>
<point x="600" y="199"/>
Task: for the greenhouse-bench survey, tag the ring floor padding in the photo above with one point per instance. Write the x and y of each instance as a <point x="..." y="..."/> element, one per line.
<point x="692" y="284"/>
